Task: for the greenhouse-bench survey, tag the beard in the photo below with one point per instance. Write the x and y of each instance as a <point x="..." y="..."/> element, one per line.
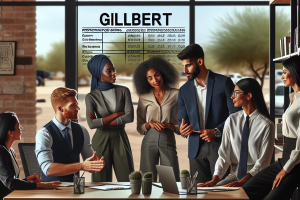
<point x="195" y="73"/>
<point x="70" y="115"/>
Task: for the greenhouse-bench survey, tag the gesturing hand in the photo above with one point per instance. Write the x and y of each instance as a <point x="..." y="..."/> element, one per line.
<point x="34" y="178"/>
<point x="156" y="125"/>
<point x="94" y="157"/>
<point x="93" y="164"/>
<point x="208" y="134"/>
<point x="280" y="176"/>
<point x="185" y="129"/>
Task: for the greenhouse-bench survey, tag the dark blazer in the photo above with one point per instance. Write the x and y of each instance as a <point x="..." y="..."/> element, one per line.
<point x="8" y="181"/>
<point x="218" y="107"/>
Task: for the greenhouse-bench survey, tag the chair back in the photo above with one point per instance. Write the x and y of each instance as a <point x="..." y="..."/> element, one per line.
<point x="29" y="160"/>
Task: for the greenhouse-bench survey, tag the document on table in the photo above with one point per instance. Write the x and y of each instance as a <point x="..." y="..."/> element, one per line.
<point x="66" y="184"/>
<point x="218" y="189"/>
<point x="157" y="185"/>
<point x="109" y="187"/>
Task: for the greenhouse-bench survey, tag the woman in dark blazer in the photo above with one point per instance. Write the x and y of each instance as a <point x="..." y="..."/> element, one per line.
<point x="10" y="131"/>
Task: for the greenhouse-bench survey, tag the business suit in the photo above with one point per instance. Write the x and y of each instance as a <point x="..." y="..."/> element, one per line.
<point x="9" y="182"/>
<point x="218" y="107"/>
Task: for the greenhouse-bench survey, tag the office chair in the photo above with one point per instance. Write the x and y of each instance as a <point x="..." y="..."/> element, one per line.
<point x="28" y="158"/>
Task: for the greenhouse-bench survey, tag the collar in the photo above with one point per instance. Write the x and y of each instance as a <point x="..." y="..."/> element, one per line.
<point x="252" y="115"/>
<point x="205" y="82"/>
<point x="61" y="126"/>
<point x="294" y="95"/>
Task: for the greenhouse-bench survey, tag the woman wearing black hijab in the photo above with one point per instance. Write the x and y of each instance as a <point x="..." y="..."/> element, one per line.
<point x="10" y="131"/>
<point x="108" y="109"/>
<point x="279" y="180"/>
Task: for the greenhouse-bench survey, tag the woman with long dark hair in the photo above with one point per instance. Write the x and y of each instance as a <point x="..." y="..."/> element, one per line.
<point x="279" y="180"/>
<point x="10" y="131"/>
<point x="248" y="137"/>
<point x="108" y="109"/>
<point x="155" y="81"/>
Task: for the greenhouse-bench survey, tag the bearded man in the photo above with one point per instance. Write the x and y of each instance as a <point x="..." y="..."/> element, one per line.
<point x="60" y="142"/>
<point x="204" y="103"/>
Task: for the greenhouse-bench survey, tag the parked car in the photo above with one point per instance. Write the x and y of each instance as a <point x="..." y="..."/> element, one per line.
<point x="279" y="98"/>
<point x="278" y="74"/>
<point x="235" y="77"/>
<point x="41" y="75"/>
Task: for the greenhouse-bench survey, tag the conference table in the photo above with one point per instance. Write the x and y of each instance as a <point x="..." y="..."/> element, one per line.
<point x="67" y="193"/>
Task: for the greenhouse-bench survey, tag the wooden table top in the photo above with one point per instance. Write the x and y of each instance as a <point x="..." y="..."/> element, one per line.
<point x="157" y="193"/>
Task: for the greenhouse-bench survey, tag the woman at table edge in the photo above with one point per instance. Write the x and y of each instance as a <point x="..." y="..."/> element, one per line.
<point x="248" y="137"/>
<point x="279" y="180"/>
<point x="10" y="131"/>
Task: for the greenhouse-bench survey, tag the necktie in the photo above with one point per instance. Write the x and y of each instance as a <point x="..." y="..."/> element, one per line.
<point x="244" y="150"/>
<point x="68" y="139"/>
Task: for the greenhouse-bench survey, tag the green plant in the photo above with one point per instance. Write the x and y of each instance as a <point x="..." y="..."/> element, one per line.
<point x="148" y="175"/>
<point x="137" y="175"/>
<point x="241" y="41"/>
<point x="184" y="172"/>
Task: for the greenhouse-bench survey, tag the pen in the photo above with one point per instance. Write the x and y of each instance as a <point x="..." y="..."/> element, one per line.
<point x="193" y="181"/>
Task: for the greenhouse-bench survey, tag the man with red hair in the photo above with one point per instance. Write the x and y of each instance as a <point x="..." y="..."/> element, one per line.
<point x="59" y="143"/>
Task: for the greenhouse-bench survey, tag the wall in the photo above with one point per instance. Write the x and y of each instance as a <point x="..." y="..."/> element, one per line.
<point x="18" y="23"/>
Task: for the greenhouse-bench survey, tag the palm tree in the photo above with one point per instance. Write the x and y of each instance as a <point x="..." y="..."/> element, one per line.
<point x="242" y="41"/>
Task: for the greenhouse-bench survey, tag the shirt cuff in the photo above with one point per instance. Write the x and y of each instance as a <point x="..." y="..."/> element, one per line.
<point x="289" y="165"/>
<point x="46" y="168"/>
<point x="144" y="129"/>
<point x="177" y="130"/>
<point x="218" y="173"/>
<point x="253" y="172"/>
<point x="141" y="128"/>
<point x="119" y="121"/>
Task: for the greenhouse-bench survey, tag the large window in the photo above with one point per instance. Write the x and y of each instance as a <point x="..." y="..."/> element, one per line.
<point x="127" y="45"/>
<point x="50" y="61"/>
<point x="130" y="34"/>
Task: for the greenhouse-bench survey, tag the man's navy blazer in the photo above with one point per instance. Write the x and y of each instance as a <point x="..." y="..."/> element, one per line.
<point x="218" y="107"/>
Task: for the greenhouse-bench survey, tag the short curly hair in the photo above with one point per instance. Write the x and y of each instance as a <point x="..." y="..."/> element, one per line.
<point x="169" y="74"/>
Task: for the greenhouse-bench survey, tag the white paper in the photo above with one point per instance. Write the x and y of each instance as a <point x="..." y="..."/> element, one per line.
<point x="218" y="188"/>
<point x="157" y="184"/>
<point x="66" y="184"/>
<point x="110" y="187"/>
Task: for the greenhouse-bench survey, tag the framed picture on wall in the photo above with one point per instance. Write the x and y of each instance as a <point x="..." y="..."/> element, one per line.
<point x="7" y="58"/>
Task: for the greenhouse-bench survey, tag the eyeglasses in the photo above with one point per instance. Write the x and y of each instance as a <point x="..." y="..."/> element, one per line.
<point x="234" y="93"/>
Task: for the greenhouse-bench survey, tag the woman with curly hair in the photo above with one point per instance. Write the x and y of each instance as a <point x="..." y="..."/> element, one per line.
<point x="155" y="81"/>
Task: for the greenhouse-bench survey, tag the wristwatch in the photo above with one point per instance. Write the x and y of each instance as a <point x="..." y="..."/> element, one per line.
<point x="217" y="133"/>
